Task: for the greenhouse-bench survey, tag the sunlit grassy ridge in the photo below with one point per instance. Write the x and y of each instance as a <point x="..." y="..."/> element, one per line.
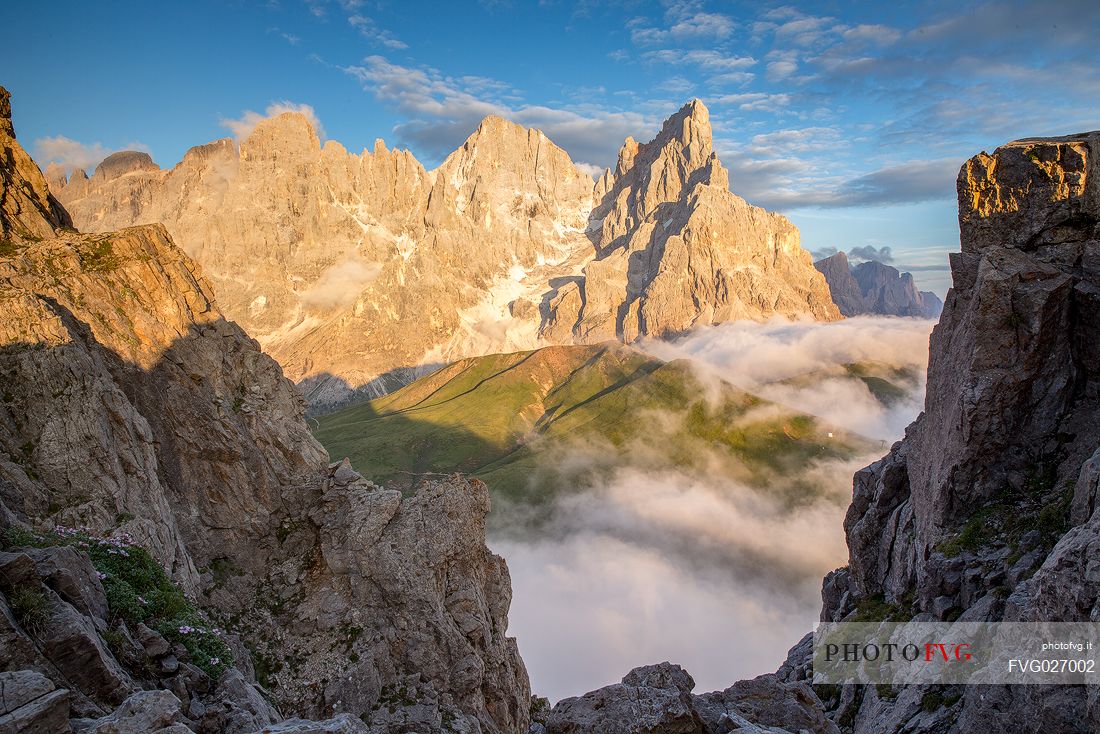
<point x="532" y="424"/>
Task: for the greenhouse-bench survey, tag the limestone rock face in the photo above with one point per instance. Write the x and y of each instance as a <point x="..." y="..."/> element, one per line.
<point x="357" y="271"/>
<point x="1007" y="445"/>
<point x="130" y="405"/>
<point x="675" y="249"/>
<point x="842" y="284"/>
<point x="874" y="287"/>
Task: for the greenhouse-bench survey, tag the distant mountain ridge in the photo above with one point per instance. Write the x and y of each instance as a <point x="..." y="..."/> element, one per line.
<point x="356" y="271"/>
<point x="873" y="287"/>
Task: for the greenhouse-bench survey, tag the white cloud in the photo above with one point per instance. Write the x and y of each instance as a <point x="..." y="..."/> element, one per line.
<point x="809" y="138"/>
<point x="341" y="283"/>
<point x="664" y="565"/>
<point x="708" y="60"/>
<point x="73" y="154"/>
<point x="701" y="25"/>
<point x="779" y="70"/>
<point x="807" y="31"/>
<point x="755" y="101"/>
<point x="442" y="111"/>
<point x="243" y="126"/>
<point x="878" y="35"/>
<point x="761" y="357"/>
<point x="591" y="170"/>
<point x="369" y="29"/>
<point x="684" y="23"/>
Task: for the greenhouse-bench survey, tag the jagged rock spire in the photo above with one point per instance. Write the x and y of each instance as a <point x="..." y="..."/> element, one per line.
<point x="27" y="208"/>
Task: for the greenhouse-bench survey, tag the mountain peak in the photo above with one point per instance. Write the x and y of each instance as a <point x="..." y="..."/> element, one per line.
<point x="837" y="259"/>
<point x="495" y="126"/>
<point x="123" y="162"/>
<point x="286" y="122"/>
<point x="288" y="133"/>
<point x="690" y="125"/>
<point x="697" y="109"/>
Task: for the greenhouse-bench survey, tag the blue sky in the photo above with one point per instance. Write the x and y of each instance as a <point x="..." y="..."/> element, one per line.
<point x="851" y="118"/>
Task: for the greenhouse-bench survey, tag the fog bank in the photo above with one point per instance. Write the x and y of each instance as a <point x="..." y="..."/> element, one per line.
<point x="690" y="564"/>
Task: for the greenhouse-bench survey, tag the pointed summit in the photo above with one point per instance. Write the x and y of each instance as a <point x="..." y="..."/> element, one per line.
<point x="289" y="135"/>
<point x="690" y="125"/>
<point x="660" y="172"/>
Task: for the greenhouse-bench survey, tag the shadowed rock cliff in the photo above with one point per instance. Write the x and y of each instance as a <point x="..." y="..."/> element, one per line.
<point x="134" y="410"/>
<point x="985" y="511"/>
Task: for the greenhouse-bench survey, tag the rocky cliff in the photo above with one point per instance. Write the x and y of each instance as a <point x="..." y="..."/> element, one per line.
<point x="875" y="288"/>
<point x="136" y="413"/>
<point x="985" y="511"/>
<point x="355" y="271"/>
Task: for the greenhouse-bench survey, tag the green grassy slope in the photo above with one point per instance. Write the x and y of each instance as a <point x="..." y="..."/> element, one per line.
<point x="533" y="424"/>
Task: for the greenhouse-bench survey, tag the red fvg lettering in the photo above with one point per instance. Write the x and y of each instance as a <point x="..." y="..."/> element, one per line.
<point x="938" y="649"/>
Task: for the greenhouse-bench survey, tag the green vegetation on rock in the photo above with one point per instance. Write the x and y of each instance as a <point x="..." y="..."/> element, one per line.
<point x="137" y="589"/>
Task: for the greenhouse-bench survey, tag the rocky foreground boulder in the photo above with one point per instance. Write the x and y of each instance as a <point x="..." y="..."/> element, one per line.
<point x="658" y="699"/>
<point x="356" y="271"/>
<point x="176" y="552"/>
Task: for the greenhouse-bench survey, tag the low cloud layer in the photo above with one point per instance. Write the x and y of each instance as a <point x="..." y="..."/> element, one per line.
<point x="708" y="573"/>
<point x="341" y="283"/>
<point x="692" y="564"/>
<point x="767" y="358"/>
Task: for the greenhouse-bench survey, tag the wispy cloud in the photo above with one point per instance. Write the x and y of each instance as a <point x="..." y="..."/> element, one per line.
<point x="368" y="28"/>
<point x="73" y="154"/>
<point x="684" y="22"/>
<point x="341" y="283"/>
<point x="441" y="111"/>
<point x="242" y="126"/>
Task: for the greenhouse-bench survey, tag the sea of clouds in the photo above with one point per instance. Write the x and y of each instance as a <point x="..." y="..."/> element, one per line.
<point x="690" y="564"/>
